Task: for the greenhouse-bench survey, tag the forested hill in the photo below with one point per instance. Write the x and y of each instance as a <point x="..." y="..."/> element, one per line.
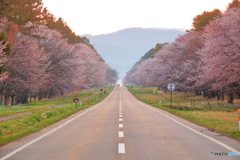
<point x="151" y="52"/>
<point x="122" y="49"/>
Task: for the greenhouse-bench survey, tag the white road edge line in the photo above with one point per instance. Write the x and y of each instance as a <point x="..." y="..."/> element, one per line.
<point x="121" y="148"/>
<point x="44" y="135"/>
<point x="214" y="140"/>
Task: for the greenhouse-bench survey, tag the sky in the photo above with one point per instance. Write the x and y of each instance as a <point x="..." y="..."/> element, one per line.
<point x="96" y="17"/>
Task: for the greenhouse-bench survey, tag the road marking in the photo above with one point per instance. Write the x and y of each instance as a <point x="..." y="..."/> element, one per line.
<point x="120" y="125"/>
<point x="44" y="135"/>
<point x="121" y="148"/>
<point x="212" y="139"/>
<point x="120" y="115"/>
<point x="120" y="134"/>
<point x="120" y="119"/>
<point x="120" y="104"/>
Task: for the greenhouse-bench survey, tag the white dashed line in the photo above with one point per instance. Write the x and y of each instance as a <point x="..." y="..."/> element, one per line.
<point x="121" y="148"/>
<point x="120" y="134"/>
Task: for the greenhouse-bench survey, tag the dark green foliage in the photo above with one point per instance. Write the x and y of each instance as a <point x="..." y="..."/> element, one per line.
<point x="151" y="52"/>
<point x="64" y="29"/>
<point x="234" y="3"/>
<point x="21" y="11"/>
<point x="200" y="21"/>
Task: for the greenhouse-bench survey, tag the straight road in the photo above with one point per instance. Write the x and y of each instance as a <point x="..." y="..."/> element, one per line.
<point x="122" y="128"/>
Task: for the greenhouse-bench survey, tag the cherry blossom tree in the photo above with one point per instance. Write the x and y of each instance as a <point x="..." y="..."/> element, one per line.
<point x="221" y="54"/>
<point x="174" y="63"/>
<point x="4" y="48"/>
<point x="24" y="68"/>
<point x="111" y="75"/>
<point x="42" y="62"/>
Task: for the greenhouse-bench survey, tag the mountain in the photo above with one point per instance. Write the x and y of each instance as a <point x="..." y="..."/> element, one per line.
<point x="122" y="49"/>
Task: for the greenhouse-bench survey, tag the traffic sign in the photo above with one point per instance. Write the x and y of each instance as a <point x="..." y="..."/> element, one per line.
<point x="171" y="87"/>
<point x="76" y="100"/>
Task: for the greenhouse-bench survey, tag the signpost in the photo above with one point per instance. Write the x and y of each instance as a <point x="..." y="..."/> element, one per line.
<point x="171" y="88"/>
<point x="101" y="91"/>
<point x="66" y="87"/>
<point x="76" y="100"/>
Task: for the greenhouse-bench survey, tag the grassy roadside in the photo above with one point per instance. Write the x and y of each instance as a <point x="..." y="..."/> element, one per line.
<point x="19" y="127"/>
<point x="219" y="118"/>
<point x="43" y="104"/>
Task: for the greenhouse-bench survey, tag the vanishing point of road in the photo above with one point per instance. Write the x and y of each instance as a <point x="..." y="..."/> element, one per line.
<point x="122" y="128"/>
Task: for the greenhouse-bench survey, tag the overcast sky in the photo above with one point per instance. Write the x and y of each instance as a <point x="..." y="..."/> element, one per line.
<point x="105" y="16"/>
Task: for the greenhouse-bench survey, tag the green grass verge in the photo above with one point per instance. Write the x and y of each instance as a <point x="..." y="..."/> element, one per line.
<point x="222" y="119"/>
<point x="19" y="127"/>
<point x="43" y="104"/>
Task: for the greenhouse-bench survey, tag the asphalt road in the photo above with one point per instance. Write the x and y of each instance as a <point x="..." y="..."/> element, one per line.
<point x="122" y="128"/>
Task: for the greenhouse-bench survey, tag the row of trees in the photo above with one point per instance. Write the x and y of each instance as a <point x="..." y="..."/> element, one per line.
<point x="205" y="59"/>
<point x="42" y="55"/>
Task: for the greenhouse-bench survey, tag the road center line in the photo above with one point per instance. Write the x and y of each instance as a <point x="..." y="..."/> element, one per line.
<point x="120" y="134"/>
<point x="120" y="103"/>
<point x="120" y="125"/>
<point x="121" y="148"/>
<point x="44" y="135"/>
<point x="212" y="139"/>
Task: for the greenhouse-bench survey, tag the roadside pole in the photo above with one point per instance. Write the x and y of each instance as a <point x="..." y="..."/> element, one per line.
<point x="80" y="103"/>
<point x="238" y="119"/>
<point x="171" y="88"/>
<point x="66" y="88"/>
<point x="76" y="100"/>
<point x="160" y="102"/>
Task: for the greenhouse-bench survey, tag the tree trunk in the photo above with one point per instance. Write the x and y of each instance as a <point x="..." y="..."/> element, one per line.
<point x="222" y="95"/>
<point x="12" y="100"/>
<point x="30" y="97"/>
<point x="6" y="100"/>
<point x="230" y="98"/>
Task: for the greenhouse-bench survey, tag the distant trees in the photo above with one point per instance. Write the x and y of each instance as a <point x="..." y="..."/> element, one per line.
<point x="206" y="59"/>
